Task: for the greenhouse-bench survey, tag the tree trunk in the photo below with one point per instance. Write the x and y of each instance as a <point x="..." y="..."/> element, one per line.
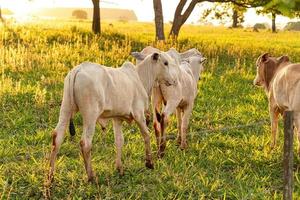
<point x="273" y="23"/>
<point x="235" y="18"/>
<point x="179" y="18"/>
<point x="96" y="17"/>
<point x="1" y="18"/>
<point x="159" y="20"/>
<point x="177" y="24"/>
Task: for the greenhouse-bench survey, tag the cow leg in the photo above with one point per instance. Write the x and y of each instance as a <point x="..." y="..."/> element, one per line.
<point x="148" y="117"/>
<point x="58" y="136"/>
<point x="119" y="141"/>
<point x="89" y="123"/>
<point x="179" y="122"/>
<point x="103" y="123"/>
<point x="141" y="121"/>
<point x="168" y="110"/>
<point x="184" y="125"/>
<point x="156" y="103"/>
<point x="156" y="125"/>
<point x="274" y="125"/>
<point x="297" y="124"/>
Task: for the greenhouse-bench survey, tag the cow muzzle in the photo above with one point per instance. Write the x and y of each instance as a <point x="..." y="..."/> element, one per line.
<point x="169" y="83"/>
<point x="257" y="82"/>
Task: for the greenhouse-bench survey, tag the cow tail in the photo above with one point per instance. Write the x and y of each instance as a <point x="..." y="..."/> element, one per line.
<point x="73" y="106"/>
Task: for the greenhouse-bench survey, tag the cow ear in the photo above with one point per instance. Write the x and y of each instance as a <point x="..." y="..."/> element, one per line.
<point x="138" y="55"/>
<point x="186" y="60"/>
<point x="265" y="57"/>
<point x="283" y="59"/>
<point x="189" y="53"/>
<point x="202" y="60"/>
<point x="155" y="56"/>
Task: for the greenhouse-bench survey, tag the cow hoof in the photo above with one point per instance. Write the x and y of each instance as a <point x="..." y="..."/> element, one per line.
<point x="183" y="146"/>
<point x="272" y="146"/>
<point x="120" y="171"/>
<point x="149" y="165"/>
<point x="50" y="178"/>
<point x="178" y="141"/>
<point x="49" y="181"/>
<point x="160" y="154"/>
<point x="91" y="179"/>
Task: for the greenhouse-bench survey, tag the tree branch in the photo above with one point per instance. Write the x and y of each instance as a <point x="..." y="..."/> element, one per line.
<point x="179" y="7"/>
<point x="244" y="4"/>
<point x="179" y="18"/>
<point x="189" y="10"/>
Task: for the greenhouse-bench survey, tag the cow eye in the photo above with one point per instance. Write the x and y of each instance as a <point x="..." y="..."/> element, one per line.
<point x="166" y="63"/>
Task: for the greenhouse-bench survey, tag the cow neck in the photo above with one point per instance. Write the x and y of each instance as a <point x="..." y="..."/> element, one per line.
<point x="280" y="66"/>
<point x="196" y="73"/>
<point x="268" y="84"/>
<point x="146" y="74"/>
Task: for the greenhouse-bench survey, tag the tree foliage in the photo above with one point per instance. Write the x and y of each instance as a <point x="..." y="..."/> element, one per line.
<point x="80" y="14"/>
<point x="225" y="13"/>
<point x="289" y="8"/>
<point x="286" y="8"/>
<point x="181" y="15"/>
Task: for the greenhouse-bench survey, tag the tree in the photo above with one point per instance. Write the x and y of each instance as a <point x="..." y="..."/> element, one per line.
<point x="280" y="7"/>
<point x="237" y="15"/>
<point x="292" y="26"/>
<point x="96" y="17"/>
<point x="273" y="21"/>
<point x="274" y="12"/>
<point x="79" y="14"/>
<point x="180" y="17"/>
<point x="1" y="17"/>
<point x="235" y="18"/>
<point x="226" y="13"/>
<point x="159" y="20"/>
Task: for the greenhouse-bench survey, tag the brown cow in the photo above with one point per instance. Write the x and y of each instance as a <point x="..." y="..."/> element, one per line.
<point x="281" y="81"/>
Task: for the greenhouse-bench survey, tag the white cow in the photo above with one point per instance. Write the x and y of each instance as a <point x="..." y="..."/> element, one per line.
<point x="179" y="97"/>
<point x="101" y="93"/>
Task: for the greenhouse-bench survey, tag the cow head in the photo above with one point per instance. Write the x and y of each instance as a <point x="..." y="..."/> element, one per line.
<point x="168" y="66"/>
<point x="162" y="64"/>
<point x="140" y="56"/>
<point x="196" y="64"/>
<point x="266" y="67"/>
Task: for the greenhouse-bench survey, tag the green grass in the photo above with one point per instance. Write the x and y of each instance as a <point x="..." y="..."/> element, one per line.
<point x="226" y="163"/>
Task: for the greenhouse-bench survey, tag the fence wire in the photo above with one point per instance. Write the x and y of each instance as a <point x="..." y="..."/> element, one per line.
<point x="170" y="136"/>
<point x="206" y="132"/>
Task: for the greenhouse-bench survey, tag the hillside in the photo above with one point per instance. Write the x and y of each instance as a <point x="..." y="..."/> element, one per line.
<point x="106" y="13"/>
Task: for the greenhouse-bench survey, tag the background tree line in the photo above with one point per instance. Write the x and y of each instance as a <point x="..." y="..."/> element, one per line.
<point x="288" y="8"/>
<point x="233" y="9"/>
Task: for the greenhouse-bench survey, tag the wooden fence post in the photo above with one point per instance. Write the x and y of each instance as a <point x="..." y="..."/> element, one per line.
<point x="288" y="156"/>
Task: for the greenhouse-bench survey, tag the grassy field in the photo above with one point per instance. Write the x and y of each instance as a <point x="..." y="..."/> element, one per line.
<point x="225" y="159"/>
